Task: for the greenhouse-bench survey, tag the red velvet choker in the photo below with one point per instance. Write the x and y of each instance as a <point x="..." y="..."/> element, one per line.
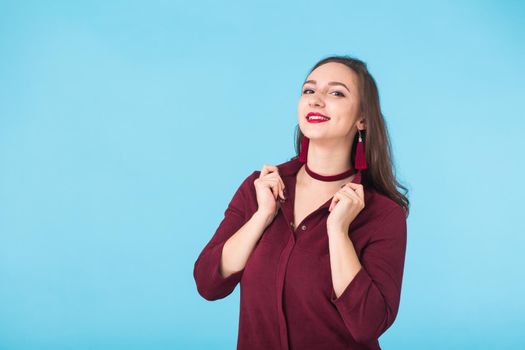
<point x="336" y="177"/>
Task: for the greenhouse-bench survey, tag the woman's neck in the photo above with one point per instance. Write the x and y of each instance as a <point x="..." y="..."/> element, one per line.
<point x="306" y="180"/>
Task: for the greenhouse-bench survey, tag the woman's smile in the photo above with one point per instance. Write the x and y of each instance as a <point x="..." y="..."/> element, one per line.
<point x="315" y="117"/>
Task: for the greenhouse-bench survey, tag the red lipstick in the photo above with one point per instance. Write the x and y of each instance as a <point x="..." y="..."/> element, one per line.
<point x="316" y="117"/>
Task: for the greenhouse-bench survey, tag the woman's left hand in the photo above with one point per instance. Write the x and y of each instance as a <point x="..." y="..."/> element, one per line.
<point x="345" y="206"/>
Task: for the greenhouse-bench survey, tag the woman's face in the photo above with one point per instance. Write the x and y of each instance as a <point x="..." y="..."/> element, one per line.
<point x="332" y="91"/>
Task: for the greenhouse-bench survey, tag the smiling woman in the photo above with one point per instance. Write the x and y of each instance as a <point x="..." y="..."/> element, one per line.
<point x="317" y="243"/>
<point x="350" y="89"/>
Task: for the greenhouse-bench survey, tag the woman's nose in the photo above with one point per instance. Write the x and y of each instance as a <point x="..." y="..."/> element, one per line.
<point x="315" y="101"/>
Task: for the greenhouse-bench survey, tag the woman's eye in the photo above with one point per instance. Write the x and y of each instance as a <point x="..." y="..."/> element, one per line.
<point x="338" y="93"/>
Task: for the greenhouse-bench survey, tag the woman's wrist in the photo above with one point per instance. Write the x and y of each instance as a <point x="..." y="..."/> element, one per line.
<point x="266" y="218"/>
<point x="337" y="230"/>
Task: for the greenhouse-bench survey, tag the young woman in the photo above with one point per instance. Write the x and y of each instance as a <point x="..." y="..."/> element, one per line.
<point x="318" y="242"/>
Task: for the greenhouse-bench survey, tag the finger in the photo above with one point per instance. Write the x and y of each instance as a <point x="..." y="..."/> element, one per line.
<point x="350" y="193"/>
<point x="358" y="188"/>
<point x="353" y="197"/>
<point x="275" y="189"/>
<point x="272" y="185"/>
<point x="275" y="175"/>
<point x="282" y="187"/>
<point x="270" y="171"/>
<point x="279" y="187"/>
<point x="360" y="192"/>
<point x="267" y="169"/>
<point x="347" y="197"/>
<point x="335" y="200"/>
<point x="338" y="197"/>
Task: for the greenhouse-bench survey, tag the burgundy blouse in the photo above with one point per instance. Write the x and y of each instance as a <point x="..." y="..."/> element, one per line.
<point x="287" y="297"/>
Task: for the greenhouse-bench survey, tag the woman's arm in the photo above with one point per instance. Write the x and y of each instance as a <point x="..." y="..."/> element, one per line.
<point x="239" y="246"/>
<point x="368" y="297"/>
<point x="344" y="263"/>
<point x="220" y="265"/>
<point x="218" y="269"/>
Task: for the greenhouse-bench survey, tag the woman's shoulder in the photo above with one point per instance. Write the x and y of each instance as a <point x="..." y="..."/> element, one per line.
<point x="380" y="205"/>
<point x="385" y="217"/>
<point x="285" y="168"/>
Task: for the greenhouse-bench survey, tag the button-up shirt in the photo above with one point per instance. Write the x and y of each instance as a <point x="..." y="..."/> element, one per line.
<point x="287" y="300"/>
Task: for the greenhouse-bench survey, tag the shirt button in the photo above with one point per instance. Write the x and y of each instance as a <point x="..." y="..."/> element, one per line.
<point x="303" y="227"/>
<point x="291" y="223"/>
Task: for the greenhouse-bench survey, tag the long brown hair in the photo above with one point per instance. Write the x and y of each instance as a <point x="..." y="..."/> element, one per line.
<point x="378" y="151"/>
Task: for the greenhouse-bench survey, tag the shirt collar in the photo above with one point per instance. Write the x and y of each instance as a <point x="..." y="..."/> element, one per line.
<point x="288" y="171"/>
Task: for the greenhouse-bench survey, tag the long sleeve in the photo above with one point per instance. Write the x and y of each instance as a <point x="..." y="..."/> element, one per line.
<point x="369" y="304"/>
<point x="206" y="272"/>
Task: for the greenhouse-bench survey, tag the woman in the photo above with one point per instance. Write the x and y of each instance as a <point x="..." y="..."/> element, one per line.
<point x="318" y="242"/>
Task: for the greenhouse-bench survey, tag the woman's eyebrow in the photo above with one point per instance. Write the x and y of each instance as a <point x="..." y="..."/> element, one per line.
<point x="330" y="83"/>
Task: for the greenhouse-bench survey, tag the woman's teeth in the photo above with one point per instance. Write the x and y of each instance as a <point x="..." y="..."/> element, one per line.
<point x="317" y="117"/>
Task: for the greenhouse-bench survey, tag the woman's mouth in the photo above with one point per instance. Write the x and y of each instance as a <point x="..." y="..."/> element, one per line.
<point x="314" y="117"/>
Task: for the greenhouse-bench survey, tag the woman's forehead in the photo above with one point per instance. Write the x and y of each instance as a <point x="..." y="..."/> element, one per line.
<point x="333" y="71"/>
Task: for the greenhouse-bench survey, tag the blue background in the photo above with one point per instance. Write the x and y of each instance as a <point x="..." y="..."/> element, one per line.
<point x="126" y="127"/>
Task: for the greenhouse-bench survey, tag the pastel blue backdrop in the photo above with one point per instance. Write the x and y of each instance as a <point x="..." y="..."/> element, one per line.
<point x="126" y="126"/>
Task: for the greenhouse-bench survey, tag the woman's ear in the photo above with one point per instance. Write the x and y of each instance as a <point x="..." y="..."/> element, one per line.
<point x="361" y="124"/>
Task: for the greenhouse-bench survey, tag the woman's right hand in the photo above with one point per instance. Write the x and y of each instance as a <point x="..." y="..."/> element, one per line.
<point x="269" y="187"/>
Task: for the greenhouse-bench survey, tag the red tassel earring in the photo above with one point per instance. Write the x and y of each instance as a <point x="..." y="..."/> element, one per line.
<point x="360" y="158"/>
<point x="304" y="149"/>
